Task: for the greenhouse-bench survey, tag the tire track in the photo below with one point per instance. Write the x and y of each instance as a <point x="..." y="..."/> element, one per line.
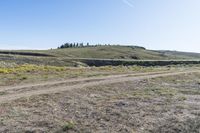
<point x="13" y="93"/>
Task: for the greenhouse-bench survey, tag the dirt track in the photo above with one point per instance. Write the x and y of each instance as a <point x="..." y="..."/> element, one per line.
<point x="12" y="93"/>
<point x="158" y="102"/>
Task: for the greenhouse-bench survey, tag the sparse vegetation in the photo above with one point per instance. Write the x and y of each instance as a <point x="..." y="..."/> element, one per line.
<point x="104" y="52"/>
<point x="117" y="106"/>
<point x="19" y="74"/>
<point x="89" y="66"/>
<point x="113" y="107"/>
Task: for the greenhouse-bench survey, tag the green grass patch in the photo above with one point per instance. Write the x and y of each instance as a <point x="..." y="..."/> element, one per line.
<point x="68" y="126"/>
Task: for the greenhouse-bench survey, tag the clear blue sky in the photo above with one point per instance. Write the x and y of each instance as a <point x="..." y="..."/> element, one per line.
<point x="155" y="24"/>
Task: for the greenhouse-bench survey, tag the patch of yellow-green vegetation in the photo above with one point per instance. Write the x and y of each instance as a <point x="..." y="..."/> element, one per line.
<point x="33" y="73"/>
<point x="38" y="68"/>
<point x="120" y="68"/>
<point x="182" y="98"/>
<point x="68" y="126"/>
<point x="29" y="68"/>
<point x="123" y="69"/>
<point x="169" y="92"/>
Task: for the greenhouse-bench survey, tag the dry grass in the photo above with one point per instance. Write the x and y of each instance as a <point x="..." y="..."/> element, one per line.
<point x="12" y="74"/>
<point x="155" y="105"/>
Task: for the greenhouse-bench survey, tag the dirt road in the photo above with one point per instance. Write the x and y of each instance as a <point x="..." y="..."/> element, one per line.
<point x="12" y="93"/>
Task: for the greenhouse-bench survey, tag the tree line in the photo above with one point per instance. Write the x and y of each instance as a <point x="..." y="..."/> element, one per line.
<point x="79" y="45"/>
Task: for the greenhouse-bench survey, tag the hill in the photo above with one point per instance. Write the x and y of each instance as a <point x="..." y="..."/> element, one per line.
<point x="178" y="54"/>
<point x="107" y="52"/>
<point x="78" y="56"/>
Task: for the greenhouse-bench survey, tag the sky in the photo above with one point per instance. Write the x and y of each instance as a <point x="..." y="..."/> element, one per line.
<point x="154" y="24"/>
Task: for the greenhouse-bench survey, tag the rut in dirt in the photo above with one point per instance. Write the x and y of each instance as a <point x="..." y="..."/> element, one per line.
<point x="13" y="93"/>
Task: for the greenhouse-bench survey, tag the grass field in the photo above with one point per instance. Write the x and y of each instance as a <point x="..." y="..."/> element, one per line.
<point x="161" y="105"/>
<point x="13" y="74"/>
<point x="99" y="89"/>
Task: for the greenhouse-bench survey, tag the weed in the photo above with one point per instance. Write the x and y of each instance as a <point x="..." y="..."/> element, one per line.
<point x="68" y="126"/>
<point x="182" y="98"/>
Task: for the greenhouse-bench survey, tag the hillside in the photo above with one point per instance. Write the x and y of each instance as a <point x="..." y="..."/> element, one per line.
<point x="79" y="56"/>
<point x="107" y="52"/>
<point x="178" y="54"/>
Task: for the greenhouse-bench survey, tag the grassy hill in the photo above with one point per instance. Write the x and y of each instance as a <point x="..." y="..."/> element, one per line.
<point x="75" y="56"/>
<point x="178" y="54"/>
<point x="107" y="52"/>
